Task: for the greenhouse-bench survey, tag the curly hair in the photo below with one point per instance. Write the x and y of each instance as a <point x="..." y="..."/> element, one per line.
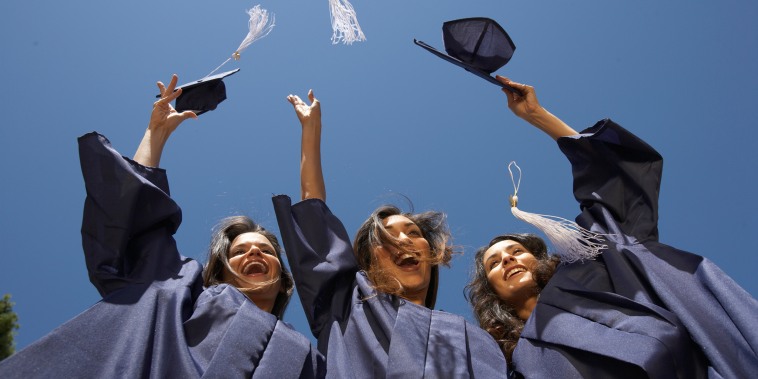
<point x="494" y="315"/>
<point x="372" y="234"/>
<point x="223" y="235"/>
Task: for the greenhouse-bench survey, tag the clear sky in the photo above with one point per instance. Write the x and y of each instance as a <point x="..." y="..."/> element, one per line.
<point x="680" y="74"/>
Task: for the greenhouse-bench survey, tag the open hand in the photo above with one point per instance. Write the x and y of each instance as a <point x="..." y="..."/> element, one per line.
<point x="306" y="113"/>
<point x="164" y="117"/>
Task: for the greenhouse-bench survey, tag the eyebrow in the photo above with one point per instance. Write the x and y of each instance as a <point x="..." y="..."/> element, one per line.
<point x="409" y="223"/>
<point x="508" y="249"/>
<point x="260" y="245"/>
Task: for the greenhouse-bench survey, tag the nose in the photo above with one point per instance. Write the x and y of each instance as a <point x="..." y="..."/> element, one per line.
<point x="254" y="250"/>
<point x="404" y="239"/>
<point x="507" y="257"/>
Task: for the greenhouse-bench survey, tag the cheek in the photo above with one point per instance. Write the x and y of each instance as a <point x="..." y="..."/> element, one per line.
<point x="424" y="247"/>
<point x="233" y="262"/>
<point x="492" y="279"/>
<point x="276" y="266"/>
<point x="382" y="257"/>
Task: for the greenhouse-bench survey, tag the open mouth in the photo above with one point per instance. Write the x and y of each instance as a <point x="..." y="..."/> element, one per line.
<point x="255" y="268"/>
<point x="514" y="271"/>
<point x="406" y="260"/>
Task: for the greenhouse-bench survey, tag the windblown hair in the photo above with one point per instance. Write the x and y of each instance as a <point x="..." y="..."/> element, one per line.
<point x="494" y="315"/>
<point x="373" y="234"/>
<point x="223" y="235"/>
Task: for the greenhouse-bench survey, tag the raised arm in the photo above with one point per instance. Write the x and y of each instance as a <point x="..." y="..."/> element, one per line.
<point x="528" y="108"/>
<point x="163" y="121"/>
<point x="311" y="176"/>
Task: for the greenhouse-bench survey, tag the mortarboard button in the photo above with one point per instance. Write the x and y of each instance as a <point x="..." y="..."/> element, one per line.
<point x="478" y="44"/>
<point x="202" y="95"/>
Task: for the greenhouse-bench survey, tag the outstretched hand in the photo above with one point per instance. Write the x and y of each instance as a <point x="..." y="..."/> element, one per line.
<point x="524" y="105"/>
<point x="306" y="113"/>
<point x="164" y="117"/>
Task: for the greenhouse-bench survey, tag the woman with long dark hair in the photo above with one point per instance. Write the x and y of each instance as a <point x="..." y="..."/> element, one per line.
<point x="640" y="308"/>
<point x="162" y="315"/>
<point x="370" y="304"/>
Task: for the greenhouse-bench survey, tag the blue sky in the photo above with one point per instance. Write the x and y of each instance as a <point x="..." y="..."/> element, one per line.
<point x="397" y="121"/>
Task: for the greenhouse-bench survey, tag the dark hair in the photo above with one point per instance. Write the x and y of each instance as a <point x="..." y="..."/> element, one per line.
<point x="373" y="234"/>
<point x="222" y="237"/>
<point x="494" y="315"/>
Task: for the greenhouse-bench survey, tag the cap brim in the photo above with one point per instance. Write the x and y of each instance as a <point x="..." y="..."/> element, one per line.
<point x="207" y="79"/>
<point x="464" y="65"/>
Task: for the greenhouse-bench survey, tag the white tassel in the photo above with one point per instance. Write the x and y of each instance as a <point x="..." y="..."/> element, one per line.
<point x="345" y="26"/>
<point x="258" y="27"/>
<point x="571" y="242"/>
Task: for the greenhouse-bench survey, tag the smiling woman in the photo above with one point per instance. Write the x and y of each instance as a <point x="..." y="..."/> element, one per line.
<point x="641" y="308"/>
<point x="370" y="306"/>
<point x="247" y="256"/>
<point x="158" y="317"/>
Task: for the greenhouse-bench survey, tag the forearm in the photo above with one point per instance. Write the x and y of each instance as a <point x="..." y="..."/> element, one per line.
<point x="311" y="176"/>
<point x="550" y="124"/>
<point x="151" y="147"/>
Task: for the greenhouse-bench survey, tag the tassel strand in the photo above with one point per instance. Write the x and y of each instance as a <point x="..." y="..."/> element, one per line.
<point x="258" y="27"/>
<point x="571" y="241"/>
<point x="345" y="27"/>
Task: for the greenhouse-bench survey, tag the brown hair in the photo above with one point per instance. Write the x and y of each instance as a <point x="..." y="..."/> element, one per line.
<point x="223" y="235"/>
<point x="372" y="234"/>
<point x="494" y="315"/>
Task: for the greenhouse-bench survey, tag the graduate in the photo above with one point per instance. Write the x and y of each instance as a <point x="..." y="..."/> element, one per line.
<point x="162" y="315"/>
<point x="640" y="308"/>
<point x="370" y="305"/>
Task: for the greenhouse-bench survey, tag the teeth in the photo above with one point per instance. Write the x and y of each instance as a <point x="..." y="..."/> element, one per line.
<point x="514" y="271"/>
<point x="405" y="257"/>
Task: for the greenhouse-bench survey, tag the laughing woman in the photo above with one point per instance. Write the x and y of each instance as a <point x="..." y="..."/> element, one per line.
<point x="370" y="305"/>
<point x="641" y="308"/>
<point x="162" y="315"/>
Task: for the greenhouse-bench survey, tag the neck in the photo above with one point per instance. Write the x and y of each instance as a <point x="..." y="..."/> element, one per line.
<point x="265" y="303"/>
<point x="416" y="297"/>
<point x="524" y="310"/>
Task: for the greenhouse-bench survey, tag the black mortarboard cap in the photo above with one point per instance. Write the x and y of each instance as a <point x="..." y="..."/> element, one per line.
<point x="202" y="95"/>
<point x="478" y="44"/>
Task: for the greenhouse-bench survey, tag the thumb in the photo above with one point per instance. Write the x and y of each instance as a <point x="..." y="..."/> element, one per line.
<point x="187" y="114"/>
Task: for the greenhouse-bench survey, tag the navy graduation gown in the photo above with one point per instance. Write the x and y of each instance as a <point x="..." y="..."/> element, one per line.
<point x="642" y="309"/>
<point x="365" y="333"/>
<point x="155" y="319"/>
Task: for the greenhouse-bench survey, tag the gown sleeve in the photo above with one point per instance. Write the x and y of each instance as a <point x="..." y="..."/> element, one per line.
<point x="617" y="179"/>
<point x="321" y="259"/>
<point x="615" y="169"/>
<point x="127" y="210"/>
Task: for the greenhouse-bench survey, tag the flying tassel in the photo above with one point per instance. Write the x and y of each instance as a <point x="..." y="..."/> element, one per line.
<point x="258" y="26"/>
<point x="345" y="26"/>
<point x="571" y="242"/>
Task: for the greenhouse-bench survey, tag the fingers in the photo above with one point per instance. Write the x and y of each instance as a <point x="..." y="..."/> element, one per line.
<point x="294" y="100"/>
<point x="311" y="97"/>
<point x="165" y="101"/>
<point x="161" y="88"/>
<point x="172" y="84"/>
<point x="173" y="95"/>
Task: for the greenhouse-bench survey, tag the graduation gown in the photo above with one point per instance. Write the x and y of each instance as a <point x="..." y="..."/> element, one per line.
<point x="365" y="333"/>
<point x="643" y="308"/>
<point x="155" y="318"/>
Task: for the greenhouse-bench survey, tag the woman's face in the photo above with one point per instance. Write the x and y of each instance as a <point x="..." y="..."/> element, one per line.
<point x="510" y="269"/>
<point x="403" y="263"/>
<point x="253" y="258"/>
